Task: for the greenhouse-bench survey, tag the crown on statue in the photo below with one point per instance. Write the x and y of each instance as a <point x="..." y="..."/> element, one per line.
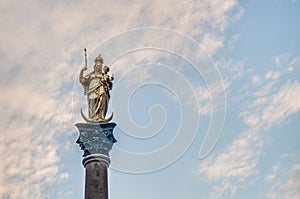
<point x="99" y="59"/>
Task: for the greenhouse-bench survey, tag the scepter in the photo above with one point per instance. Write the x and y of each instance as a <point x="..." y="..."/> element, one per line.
<point x="85" y="59"/>
<point x="81" y="78"/>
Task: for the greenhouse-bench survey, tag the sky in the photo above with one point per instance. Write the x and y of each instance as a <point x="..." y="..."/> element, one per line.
<point x="206" y="97"/>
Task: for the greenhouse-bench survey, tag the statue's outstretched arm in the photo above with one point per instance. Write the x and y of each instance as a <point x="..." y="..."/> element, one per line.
<point x="82" y="79"/>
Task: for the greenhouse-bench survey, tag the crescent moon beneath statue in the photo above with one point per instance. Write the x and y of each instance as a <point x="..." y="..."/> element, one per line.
<point x="96" y="121"/>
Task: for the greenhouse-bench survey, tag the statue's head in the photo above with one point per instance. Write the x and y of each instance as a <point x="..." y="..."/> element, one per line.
<point x="98" y="63"/>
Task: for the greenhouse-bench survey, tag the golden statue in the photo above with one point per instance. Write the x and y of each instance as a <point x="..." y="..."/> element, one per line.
<point x="96" y="85"/>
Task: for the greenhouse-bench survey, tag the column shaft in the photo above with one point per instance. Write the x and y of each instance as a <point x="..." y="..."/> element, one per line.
<point x="96" y="178"/>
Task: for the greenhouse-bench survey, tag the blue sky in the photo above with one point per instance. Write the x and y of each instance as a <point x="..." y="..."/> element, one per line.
<point x="206" y="97"/>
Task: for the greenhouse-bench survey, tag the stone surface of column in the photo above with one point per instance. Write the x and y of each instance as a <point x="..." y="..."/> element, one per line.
<point x="96" y="178"/>
<point x="96" y="140"/>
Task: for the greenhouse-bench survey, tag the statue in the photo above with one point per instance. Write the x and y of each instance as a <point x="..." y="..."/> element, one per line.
<point x="96" y="85"/>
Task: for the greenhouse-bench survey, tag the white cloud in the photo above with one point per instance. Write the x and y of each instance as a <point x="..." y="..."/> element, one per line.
<point x="230" y="168"/>
<point x="256" y="80"/>
<point x="289" y="188"/>
<point x="295" y="62"/>
<point x="277" y="61"/>
<point x="282" y="60"/>
<point x="287" y="61"/>
<point x="30" y="108"/>
<point x="273" y="173"/>
<point x="282" y="104"/>
<point x="251" y="120"/>
<point x="211" y="43"/>
<point x="273" y="75"/>
<point x="231" y="70"/>
<point x="234" y="165"/>
<point x="270" y="108"/>
<point x="204" y="100"/>
<point x="232" y="41"/>
<point x="265" y="90"/>
<point x="32" y="160"/>
<point x="64" y="176"/>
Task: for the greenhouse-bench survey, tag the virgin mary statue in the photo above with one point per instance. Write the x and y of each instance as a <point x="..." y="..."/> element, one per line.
<point x="97" y="85"/>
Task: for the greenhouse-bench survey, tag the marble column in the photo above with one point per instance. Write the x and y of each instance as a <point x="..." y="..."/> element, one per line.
<point x="96" y="140"/>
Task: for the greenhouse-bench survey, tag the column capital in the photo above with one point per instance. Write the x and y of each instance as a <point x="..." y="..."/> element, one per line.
<point x="95" y="138"/>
